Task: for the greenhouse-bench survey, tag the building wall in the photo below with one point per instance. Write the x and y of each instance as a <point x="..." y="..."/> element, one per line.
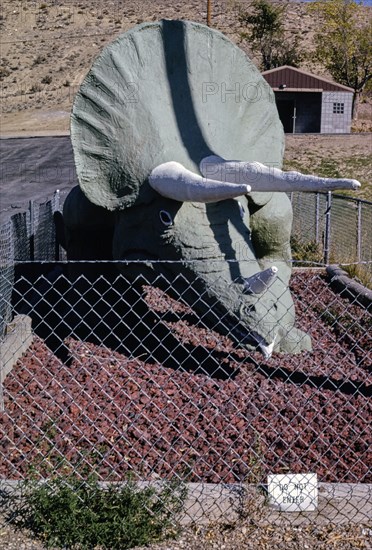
<point x="336" y="112"/>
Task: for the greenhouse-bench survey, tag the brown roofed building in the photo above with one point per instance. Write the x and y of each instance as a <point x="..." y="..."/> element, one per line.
<point x="309" y="103"/>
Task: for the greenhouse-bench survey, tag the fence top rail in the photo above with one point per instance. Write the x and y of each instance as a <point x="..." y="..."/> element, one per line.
<point x="354" y="199"/>
<point x="305" y="264"/>
<point x="336" y="196"/>
<point x="57" y="193"/>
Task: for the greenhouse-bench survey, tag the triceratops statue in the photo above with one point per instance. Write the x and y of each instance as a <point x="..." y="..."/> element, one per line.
<point x="154" y="125"/>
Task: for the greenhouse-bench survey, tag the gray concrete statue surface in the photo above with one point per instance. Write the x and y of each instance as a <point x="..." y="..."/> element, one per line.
<point x="178" y="148"/>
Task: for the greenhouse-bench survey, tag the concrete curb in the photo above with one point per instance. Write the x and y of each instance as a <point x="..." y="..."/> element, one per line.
<point x="207" y="503"/>
<point x="348" y="288"/>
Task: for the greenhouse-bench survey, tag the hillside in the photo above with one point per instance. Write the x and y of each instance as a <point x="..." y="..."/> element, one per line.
<point x="47" y="49"/>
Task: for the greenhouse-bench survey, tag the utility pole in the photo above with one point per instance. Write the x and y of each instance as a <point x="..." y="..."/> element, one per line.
<point x="209" y="12"/>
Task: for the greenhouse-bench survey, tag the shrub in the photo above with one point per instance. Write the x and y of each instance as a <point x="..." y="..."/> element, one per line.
<point x="46" y="79"/>
<point x="35" y="88"/>
<point x="309" y="252"/>
<point x="69" y="512"/>
<point x="39" y="59"/>
<point x="4" y="72"/>
<point x="360" y="272"/>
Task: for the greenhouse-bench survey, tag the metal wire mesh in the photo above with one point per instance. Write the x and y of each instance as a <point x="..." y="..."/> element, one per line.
<point x="6" y="274"/>
<point x="340" y="225"/>
<point x="364" y="230"/>
<point x="306" y="216"/>
<point x="344" y="220"/>
<point x="122" y="376"/>
<point x="102" y="374"/>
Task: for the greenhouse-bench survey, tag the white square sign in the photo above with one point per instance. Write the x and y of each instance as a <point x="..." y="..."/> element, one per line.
<point x="293" y="492"/>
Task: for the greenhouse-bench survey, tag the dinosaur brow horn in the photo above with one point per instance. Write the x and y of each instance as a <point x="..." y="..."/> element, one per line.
<point x="267" y="178"/>
<point x="174" y="181"/>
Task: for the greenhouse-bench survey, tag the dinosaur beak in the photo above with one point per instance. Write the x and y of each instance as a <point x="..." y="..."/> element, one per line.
<point x="267" y="350"/>
<point x="258" y="283"/>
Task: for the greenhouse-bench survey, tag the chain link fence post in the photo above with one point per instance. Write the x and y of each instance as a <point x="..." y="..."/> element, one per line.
<point x="327" y="235"/>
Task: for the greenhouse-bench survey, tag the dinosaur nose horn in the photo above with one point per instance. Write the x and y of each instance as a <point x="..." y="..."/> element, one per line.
<point x="174" y="181"/>
<point x="256" y="284"/>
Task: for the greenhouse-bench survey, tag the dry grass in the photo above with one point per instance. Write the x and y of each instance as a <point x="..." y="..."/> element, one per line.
<point x="348" y="156"/>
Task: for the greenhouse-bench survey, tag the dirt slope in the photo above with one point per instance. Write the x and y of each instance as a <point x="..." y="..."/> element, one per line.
<point x="47" y="48"/>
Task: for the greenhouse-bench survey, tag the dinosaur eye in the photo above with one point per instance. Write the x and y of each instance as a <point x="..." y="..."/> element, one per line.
<point x="165" y="217"/>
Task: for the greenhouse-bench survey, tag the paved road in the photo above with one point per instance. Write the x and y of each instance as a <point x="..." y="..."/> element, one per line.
<point x="33" y="168"/>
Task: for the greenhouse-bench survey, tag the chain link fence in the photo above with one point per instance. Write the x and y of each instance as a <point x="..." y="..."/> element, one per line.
<point x="108" y="375"/>
<point x="339" y="225"/>
<point x="26" y="237"/>
<point x="119" y="376"/>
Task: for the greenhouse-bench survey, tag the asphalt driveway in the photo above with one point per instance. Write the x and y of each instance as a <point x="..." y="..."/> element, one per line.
<point x="33" y="168"/>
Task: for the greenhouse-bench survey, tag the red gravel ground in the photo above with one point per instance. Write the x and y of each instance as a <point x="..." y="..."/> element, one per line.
<point x="112" y="414"/>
